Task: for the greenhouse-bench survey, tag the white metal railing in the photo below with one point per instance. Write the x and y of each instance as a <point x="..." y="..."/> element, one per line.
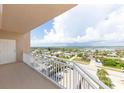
<point x="65" y="74"/>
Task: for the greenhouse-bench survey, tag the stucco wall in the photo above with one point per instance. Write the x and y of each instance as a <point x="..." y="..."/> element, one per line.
<point x="0" y="15"/>
<point x="22" y="42"/>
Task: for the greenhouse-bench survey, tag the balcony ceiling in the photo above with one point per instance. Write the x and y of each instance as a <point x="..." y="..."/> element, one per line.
<point x="21" y="18"/>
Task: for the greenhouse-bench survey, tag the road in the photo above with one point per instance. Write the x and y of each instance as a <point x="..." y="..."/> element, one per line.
<point x="116" y="77"/>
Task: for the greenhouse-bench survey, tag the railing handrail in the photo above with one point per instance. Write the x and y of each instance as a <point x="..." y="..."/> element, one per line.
<point x="86" y="72"/>
<point x="92" y="77"/>
<point x="82" y="72"/>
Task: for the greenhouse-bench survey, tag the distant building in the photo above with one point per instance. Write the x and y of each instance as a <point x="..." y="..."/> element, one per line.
<point x="113" y="54"/>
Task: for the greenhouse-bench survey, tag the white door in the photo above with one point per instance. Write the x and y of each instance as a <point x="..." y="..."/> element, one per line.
<point x="7" y="51"/>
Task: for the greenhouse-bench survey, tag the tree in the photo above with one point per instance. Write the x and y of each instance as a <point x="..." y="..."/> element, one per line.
<point x="80" y="55"/>
<point x="101" y="73"/>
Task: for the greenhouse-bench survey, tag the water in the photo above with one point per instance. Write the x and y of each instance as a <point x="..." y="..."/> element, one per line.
<point x="85" y="47"/>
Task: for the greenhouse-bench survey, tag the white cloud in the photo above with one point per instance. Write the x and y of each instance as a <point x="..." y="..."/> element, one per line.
<point x="86" y="23"/>
<point x="109" y="30"/>
<point x="112" y="29"/>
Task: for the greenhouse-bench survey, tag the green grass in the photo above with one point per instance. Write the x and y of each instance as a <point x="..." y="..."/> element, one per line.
<point x="113" y="63"/>
<point x="111" y="68"/>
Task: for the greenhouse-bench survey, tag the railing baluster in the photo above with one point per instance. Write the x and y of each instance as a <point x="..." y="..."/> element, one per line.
<point x="66" y="77"/>
<point x="70" y="77"/>
<point x="76" y="79"/>
<point x="73" y="77"/>
<point x="58" y="73"/>
<point x="80" y="82"/>
<point x="63" y="75"/>
<point x="53" y="71"/>
<point x="88" y="85"/>
<point x="50" y="69"/>
<point x="84" y="84"/>
<point x="47" y="68"/>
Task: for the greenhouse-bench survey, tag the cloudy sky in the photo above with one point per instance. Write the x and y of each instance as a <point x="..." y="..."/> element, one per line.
<point x="83" y="25"/>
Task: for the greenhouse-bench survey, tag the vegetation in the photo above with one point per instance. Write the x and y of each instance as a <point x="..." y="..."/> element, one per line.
<point x="109" y="58"/>
<point x="102" y="75"/>
<point x="80" y="55"/>
<point x="120" y="53"/>
<point x="116" y="63"/>
<point x="83" y="60"/>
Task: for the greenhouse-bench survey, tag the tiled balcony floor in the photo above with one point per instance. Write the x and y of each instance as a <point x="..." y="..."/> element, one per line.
<point x="20" y="76"/>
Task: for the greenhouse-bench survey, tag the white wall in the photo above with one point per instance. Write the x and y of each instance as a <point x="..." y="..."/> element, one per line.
<point x="7" y="51"/>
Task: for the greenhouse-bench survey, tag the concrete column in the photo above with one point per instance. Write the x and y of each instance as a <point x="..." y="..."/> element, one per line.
<point x="0" y="16"/>
<point x="22" y="45"/>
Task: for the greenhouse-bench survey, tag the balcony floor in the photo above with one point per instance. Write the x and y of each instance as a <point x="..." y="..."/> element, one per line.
<point x="20" y="76"/>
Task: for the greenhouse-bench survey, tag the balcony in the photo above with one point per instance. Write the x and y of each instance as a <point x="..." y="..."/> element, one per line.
<point x="46" y="72"/>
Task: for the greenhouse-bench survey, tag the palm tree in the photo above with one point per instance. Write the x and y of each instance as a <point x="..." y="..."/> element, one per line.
<point x="101" y="73"/>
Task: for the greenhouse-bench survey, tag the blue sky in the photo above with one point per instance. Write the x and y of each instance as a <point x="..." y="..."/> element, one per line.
<point x="83" y="25"/>
<point x="38" y="32"/>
